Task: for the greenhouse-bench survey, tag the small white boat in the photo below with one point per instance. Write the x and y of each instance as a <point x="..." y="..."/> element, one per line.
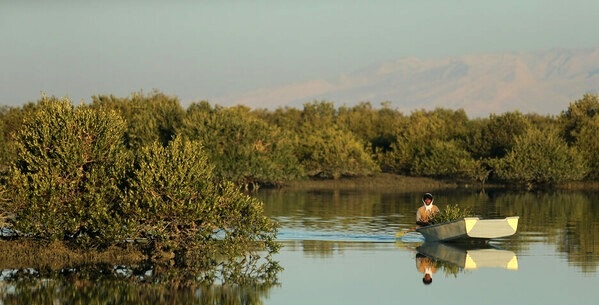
<point x="470" y="229"/>
<point x="468" y="257"/>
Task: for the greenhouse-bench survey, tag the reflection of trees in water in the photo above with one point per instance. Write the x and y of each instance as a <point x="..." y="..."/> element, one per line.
<point x="65" y="288"/>
<point x="107" y="284"/>
<point x="448" y="268"/>
<point x="566" y="219"/>
<point x="198" y="280"/>
<point x="318" y="248"/>
<point x="339" y="209"/>
<point x="582" y="245"/>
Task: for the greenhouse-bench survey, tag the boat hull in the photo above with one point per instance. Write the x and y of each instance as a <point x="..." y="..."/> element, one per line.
<point x="470" y="256"/>
<point x="470" y="229"/>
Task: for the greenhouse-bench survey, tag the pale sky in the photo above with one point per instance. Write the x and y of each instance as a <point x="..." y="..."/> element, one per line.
<point x="203" y="50"/>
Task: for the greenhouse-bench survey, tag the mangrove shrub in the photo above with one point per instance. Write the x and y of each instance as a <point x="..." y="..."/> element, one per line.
<point x="578" y="115"/>
<point x="244" y="148"/>
<point x="580" y="125"/>
<point x="498" y="134"/>
<point x="74" y="180"/>
<point x="443" y="159"/>
<point x="153" y="117"/>
<point x="430" y="143"/>
<point x="588" y="145"/>
<point x="334" y="153"/>
<point x="541" y="158"/>
<point x="175" y="203"/>
<point x="65" y="182"/>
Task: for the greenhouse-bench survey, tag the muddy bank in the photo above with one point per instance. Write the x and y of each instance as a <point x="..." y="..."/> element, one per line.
<point x="381" y="181"/>
<point x="385" y="181"/>
<point x="19" y="254"/>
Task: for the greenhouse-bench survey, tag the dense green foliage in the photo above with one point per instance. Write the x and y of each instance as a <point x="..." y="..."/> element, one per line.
<point x="142" y="168"/>
<point x="496" y="136"/>
<point x="255" y="148"/>
<point x="451" y="213"/>
<point x="175" y="202"/>
<point x="325" y="147"/>
<point x="260" y="147"/>
<point x="68" y="171"/>
<point x="579" y="125"/>
<point x="149" y="118"/>
<point x="541" y="157"/>
<point x="242" y="147"/>
<point x="74" y="179"/>
<point x="588" y="144"/>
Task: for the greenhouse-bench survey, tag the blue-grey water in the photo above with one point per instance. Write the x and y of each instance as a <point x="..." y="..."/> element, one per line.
<point x="340" y="248"/>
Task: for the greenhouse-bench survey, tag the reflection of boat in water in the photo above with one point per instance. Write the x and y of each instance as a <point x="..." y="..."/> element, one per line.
<point x="470" y="229"/>
<point x="470" y="257"/>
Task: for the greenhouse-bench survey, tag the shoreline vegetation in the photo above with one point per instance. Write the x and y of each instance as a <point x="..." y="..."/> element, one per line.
<point x="144" y="168"/>
<point x="400" y="183"/>
<point x="25" y="253"/>
<point x="379" y="181"/>
<point x="71" y="182"/>
<point x="19" y="254"/>
<point x="257" y="148"/>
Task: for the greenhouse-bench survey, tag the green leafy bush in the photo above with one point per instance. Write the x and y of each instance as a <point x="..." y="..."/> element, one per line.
<point x="74" y="180"/>
<point x="443" y="159"/>
<point x="65" y="183"/>
<point x="175" y="203"/>
<point x="580" y="127"/>
<point x="451" y="213"/>
<point x="588" y="145"/>
<point x="577" y="116"/>
<point x="497" y="134"/>
<point x="541" y="158"/>
<point x="243" y="148"/>
<point x="152" y="117"/>
<point x="334" y="153"/>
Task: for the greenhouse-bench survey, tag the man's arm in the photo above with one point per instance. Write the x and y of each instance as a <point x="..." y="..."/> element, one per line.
<point x="419" y="218"/>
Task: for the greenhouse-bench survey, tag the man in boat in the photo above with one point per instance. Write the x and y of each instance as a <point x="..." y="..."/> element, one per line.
<point x="427" y="211"/>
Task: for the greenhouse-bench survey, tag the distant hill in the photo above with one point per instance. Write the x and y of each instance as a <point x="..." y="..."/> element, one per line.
<point x="543" y="82"/>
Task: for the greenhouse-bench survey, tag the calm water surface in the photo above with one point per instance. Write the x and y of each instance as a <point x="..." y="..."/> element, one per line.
<point x="340" y="248"/>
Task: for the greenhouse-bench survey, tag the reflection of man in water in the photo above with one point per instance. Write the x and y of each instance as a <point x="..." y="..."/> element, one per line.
<point x="426" y="266"/>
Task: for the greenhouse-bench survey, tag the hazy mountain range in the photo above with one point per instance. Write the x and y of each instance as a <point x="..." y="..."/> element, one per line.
<point x="542" y="82"/>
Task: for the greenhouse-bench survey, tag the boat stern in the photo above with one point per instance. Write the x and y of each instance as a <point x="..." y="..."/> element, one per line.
<point x="492" y="228"/>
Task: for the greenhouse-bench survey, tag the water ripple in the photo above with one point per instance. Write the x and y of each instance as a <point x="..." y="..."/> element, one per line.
<point x="299" y="234"/>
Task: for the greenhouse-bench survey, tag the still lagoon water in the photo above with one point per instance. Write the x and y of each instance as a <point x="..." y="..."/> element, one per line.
<point x="340" y="247"/>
